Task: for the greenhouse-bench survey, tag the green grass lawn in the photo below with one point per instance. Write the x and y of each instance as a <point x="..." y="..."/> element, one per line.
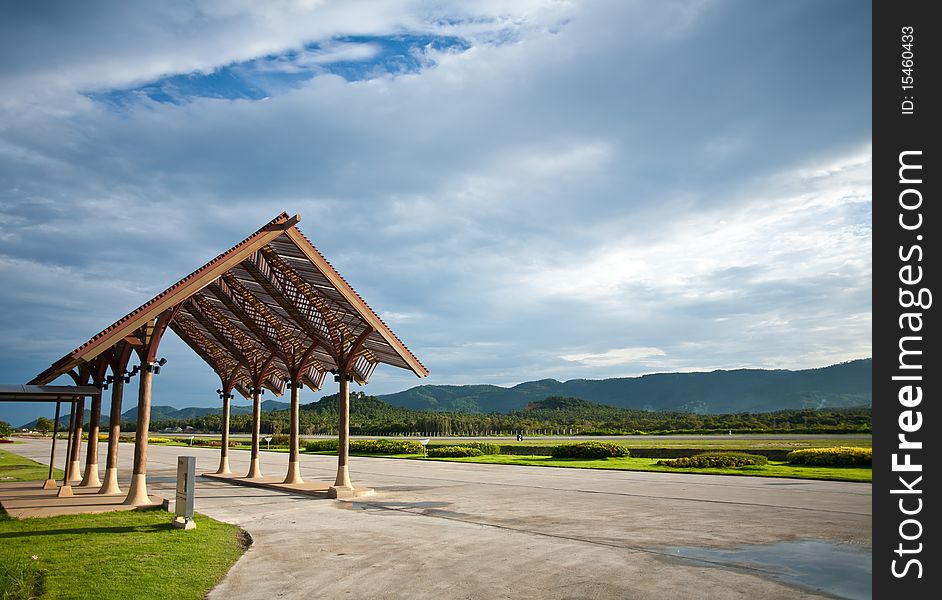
<point x="14" y="467"/>
<point x="773" y="469"/>
<point x="117" y="555"/>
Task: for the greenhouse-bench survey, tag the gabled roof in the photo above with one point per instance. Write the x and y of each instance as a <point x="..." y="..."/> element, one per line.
<point x="272" y="295"/>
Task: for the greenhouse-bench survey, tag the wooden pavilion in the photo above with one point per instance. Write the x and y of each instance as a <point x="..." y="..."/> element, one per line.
<point x="269" y="313"/>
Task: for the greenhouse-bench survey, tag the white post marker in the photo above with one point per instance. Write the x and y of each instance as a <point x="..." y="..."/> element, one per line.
<point x="424" y="443"/>
<point x="268" y="442"/>
<point x="186" y="488"/>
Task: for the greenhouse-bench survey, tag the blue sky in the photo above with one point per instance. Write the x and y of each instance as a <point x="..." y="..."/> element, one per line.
<point x="521" y="189"/>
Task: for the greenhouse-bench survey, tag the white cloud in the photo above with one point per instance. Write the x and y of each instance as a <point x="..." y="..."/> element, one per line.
<point x="616" y="356"/>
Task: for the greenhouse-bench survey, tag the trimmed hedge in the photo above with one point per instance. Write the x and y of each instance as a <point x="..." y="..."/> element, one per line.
<point x="453" y="452"/>
<point x="484" y="447"/>
<point x="715" y="460"/>
<point x="323" y="445"/>
<point x="840" y="456"/>
<point x="589" y="450"/>
<point x="367" y="446"/>
<point x="280" y="439"/>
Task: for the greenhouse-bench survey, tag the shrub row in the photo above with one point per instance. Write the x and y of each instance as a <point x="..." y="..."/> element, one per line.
<point x="841" y="456"/>
<point x="453" y="452"/>
<point x="385" y="447"/>
<point x="322" y="445"/>
<point x="589" y="450"/>
<point x="717" y="460"/>
<point x="773" y="454"/>
<point x="484" y="447"/>
<point x="367" y="446"/>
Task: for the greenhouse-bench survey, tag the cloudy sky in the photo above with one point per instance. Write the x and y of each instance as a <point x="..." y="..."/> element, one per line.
<point x="522" y="189"/>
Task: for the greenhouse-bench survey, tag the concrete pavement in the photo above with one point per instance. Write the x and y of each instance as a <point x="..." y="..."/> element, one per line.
<point x="450" y="530"/>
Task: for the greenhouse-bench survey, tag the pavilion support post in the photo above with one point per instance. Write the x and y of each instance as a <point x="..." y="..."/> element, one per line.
<point x="137" y="494"/>
<point x="294" y="465"/>
<point x="110" y="487"/>
<point x="50" y="483"/>
<point x="224" y="447"/>
<point x="90" y="478"/>
<point x="66" y="490"/>
<point x="74" y="458"/>
<point x="255" y="472"/>
<point x="342" y="486"/>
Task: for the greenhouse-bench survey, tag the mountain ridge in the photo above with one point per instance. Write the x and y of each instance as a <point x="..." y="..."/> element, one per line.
<point x="719" y="391"/>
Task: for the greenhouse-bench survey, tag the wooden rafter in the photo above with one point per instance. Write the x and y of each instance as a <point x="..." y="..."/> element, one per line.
<point x="301" y="290"/>
<point x="230" y="337"/>
<point x="313" y="326"/>
<point x="267" y="320"/>
<point x="210" y="350"/>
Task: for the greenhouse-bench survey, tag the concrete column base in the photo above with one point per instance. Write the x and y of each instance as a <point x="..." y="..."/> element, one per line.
<point x="343" y="477"/>
<point x="110" y="487"/>
<point x="65" y="492"/>
<point x="224" y="466"/>
<point x="294" y="472"/>
<point x="255" y="472"/>
<point x="91" y="476"/>
<point x="50" y="484"/>
<point x="137" y="495"/>
<point x="74" y="471"/>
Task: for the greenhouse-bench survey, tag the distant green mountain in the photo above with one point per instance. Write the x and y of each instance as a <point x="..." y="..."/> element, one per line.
<point x="742" y="390"/>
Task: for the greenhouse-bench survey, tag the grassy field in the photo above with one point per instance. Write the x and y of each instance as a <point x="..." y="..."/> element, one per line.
<point x="14" y="467"/>
<point x="704" y="443"/>
<point x="773" y="469"/>
<point x="127" y="554"/>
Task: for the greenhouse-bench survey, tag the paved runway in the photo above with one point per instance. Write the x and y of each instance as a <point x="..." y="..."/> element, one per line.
<point x="450" y="530"/>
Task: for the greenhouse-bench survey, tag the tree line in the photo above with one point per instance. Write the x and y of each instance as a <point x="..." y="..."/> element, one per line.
<point x="371" y="416"/>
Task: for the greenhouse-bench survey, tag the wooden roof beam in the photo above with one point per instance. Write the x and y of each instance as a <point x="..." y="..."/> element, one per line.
<point x="226" y="334"/>
<point x="208" y="349"/>
<point x="286" y="276"/>
<point x="292" y="349"/>
<point x="287" y="304"/>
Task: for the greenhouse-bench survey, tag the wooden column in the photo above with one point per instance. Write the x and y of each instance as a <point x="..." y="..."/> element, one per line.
<point x="90" y="479"/>
<point x="224" y="448"/>
<point x="294" y="465"/>
<point x="50" y="483"/>
<point x="148" y="340"/>
<point x="74" y="457"/>
<point x="137" y="495"/>
<point x="66" y="489"/>
<point x="114" y="433"/>
<point x="254" y="470"/>
<point x="343" y="451"/>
